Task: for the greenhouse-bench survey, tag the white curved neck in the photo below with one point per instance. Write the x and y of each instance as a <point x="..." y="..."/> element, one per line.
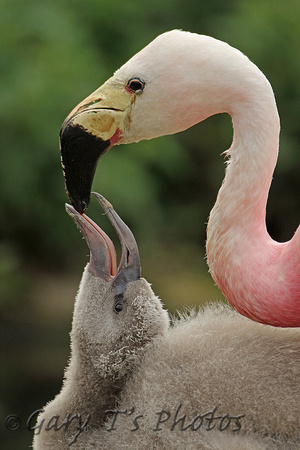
<point x="238" y="245"/>
<point x="242" y="198"/>
<point x="253" y="156"/>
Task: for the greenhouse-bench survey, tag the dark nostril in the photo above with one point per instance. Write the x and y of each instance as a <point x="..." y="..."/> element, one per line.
<point x="91" y="103"/>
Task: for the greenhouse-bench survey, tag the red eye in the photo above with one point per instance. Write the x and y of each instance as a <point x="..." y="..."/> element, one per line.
<point x="135" y="85"/>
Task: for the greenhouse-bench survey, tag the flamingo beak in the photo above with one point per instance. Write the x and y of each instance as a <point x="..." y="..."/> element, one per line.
<point x="94" y="126"/>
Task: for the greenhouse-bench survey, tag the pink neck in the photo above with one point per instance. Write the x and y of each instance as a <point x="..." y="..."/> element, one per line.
<point x="255" y="273"/>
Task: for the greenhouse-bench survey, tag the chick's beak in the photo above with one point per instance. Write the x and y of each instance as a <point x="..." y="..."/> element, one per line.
<point x="103" y="259"/>
<point x="93" y="127"/>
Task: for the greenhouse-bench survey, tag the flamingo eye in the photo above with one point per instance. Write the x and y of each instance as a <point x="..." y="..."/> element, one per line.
<point x="136" y="85"/>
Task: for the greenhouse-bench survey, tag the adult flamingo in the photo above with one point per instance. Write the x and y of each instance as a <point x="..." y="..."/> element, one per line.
<point x="176" y="81"/>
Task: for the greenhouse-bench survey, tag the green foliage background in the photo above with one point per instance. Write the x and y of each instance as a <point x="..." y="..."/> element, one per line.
<point x="52" y="55"/>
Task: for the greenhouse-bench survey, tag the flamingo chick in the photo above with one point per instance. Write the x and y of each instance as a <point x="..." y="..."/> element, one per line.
<point x="176" y="81"/>
<point x="211" y="380"/>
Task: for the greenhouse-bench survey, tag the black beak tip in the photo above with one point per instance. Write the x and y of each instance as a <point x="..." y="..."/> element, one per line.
<point x="80" y="152"/>
<point x="81" y="205"/>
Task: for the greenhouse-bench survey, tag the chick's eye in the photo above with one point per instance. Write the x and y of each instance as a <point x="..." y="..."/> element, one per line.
<point x="118" y="307"/>
<point x="118" y="303"/>
<point x="135" y="85"/>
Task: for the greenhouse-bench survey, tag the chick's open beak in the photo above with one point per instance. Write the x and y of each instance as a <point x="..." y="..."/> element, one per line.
<point x="103" y="259"/>
<point x="93" y="127"/>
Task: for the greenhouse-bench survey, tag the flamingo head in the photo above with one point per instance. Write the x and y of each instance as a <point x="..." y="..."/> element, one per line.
<point x="176" y="81"/>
